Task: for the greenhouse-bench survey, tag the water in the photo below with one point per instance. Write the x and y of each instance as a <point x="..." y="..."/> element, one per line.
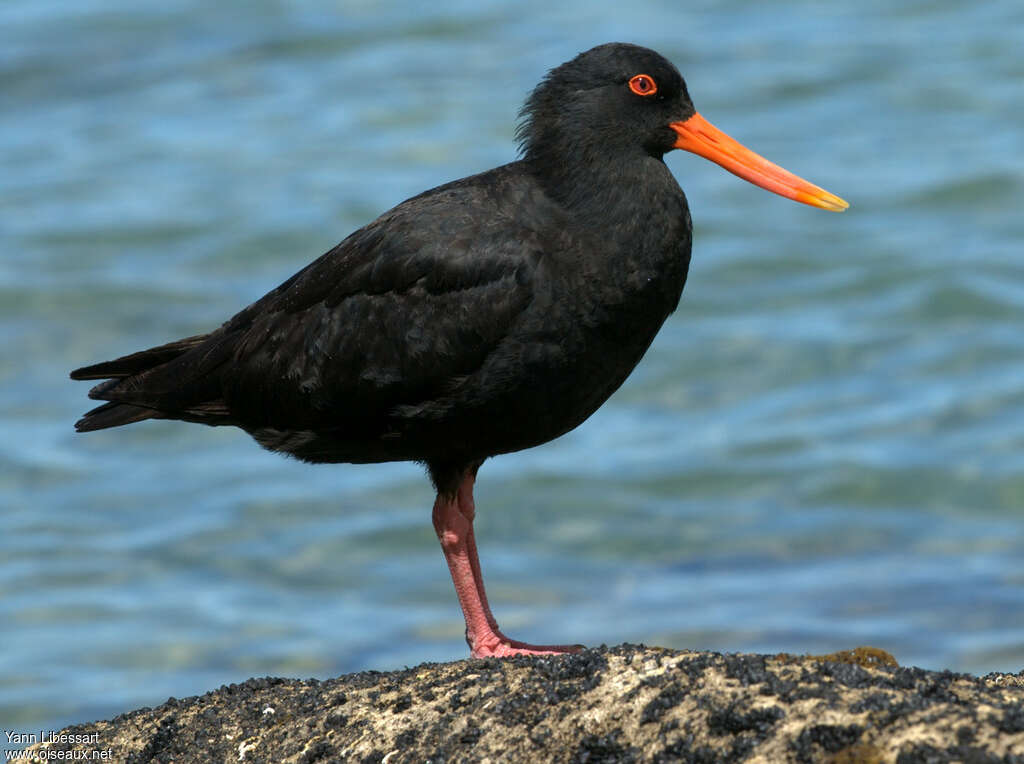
<point x="823" y="448"/>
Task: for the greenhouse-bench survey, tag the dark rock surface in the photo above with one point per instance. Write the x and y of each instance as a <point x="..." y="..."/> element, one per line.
<point x="622" y="704"/>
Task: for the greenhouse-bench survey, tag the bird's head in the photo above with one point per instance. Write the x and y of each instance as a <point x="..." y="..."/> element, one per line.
<point x="630" y="101"/>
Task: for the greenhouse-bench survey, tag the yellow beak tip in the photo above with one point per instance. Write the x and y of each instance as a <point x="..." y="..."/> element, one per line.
<point x="838" y="205"/>
<point x="822" y="199"/>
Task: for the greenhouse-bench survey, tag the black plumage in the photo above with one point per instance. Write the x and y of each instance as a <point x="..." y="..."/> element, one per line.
<point x="484" y="316"/>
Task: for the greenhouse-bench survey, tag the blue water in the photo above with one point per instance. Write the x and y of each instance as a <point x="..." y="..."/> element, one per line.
<point x="824" y="447"/>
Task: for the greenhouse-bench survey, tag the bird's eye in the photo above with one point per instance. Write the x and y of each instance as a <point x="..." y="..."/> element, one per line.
<point x="643" y="85"/>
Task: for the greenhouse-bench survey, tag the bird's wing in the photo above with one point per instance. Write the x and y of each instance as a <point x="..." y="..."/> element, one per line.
<point x="391" y="316"/>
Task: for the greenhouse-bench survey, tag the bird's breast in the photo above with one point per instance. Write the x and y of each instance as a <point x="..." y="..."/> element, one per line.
<point x="577" y="344"/>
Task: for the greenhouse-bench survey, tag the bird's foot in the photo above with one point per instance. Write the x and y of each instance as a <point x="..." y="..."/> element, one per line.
<point x="497" y="645"/>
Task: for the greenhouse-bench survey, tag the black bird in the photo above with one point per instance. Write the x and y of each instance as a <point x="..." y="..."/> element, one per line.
<point x="484" y="316"/>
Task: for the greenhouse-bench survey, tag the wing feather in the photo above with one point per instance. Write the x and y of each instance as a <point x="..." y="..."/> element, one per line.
<point x="394" y="314"/>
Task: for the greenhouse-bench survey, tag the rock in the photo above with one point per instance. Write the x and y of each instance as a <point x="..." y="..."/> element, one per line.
<point x="622" y="704"/>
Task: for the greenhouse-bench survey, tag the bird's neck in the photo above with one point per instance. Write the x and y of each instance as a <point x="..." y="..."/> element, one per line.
<point x="632" y="202"/>
<point x="608" y="191"/>
<point x="634" y="213"/>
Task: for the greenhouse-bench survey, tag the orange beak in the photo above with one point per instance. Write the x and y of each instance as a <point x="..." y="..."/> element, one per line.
<point x="699" y="136"/>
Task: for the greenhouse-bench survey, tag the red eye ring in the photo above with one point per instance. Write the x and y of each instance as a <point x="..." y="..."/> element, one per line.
<point x="643" y="85"/>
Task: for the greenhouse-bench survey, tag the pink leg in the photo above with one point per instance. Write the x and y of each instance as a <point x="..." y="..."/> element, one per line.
<point x="453" y="521"/>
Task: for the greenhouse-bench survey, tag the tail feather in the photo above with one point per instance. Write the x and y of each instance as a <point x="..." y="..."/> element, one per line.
<point x="113" y="415"/>
<point x="128" y="365"/>
<point x="130" y="377"/>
